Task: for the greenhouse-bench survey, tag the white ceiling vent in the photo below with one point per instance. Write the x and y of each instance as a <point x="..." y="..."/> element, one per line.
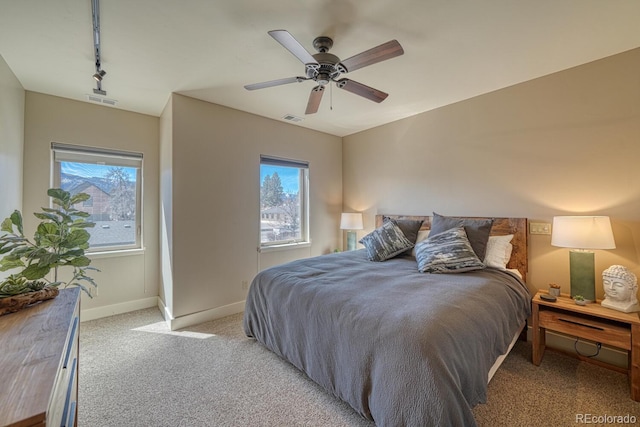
<point x="101" y="100"/>
<point x="292" y="118"/>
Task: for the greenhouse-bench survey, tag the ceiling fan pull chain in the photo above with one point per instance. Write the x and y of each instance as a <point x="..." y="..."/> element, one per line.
<point x="331" y="97"/>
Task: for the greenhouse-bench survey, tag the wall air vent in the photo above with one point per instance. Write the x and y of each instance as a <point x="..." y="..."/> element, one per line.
<point x="292" y="118"/>
<point x="101" y="100"/>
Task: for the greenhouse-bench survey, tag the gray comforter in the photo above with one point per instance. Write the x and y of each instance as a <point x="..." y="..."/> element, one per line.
<point x="403" y="348"/>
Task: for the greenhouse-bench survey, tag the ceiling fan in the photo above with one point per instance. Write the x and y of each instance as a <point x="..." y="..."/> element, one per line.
<point x="324" y="67"/>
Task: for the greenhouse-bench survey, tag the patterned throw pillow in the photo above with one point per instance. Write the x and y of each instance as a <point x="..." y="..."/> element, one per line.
<point x="447" y="252"/>
<point x="385" y="242"/>
<point x="409" y="228"/>
<point x="477" y="230"/>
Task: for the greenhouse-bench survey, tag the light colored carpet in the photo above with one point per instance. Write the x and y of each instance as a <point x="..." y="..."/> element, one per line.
<point x="135" y="372"/>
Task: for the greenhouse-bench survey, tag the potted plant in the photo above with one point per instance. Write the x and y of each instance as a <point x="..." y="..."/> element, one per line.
<point x="554" y="289"/>
<point x="579" y="299"/>
<point x="60" y="241"/>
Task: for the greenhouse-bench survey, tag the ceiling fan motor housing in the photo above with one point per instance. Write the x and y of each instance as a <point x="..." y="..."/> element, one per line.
<point x="326" y="70"/>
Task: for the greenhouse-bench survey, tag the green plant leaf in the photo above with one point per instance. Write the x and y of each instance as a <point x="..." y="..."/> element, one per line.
<point x="58" y="194"/>
<point x="81" y="261"/>
<point x="81" y="223"/>
<point x="46" y="215"/>
<point x="45" y="228"/>
<point x="49" y="258"/>
<point x="16" y="219"/>
<point x="72" y="253"/>
<point x="8" y="264"/>
<point x="77" y="238"/>
<point x="80" y="197"/>
<point x="7" y="225"/>
<point x="4" y="249"/>
<point x="81" y="214"/>
<point x="35" y="272"/>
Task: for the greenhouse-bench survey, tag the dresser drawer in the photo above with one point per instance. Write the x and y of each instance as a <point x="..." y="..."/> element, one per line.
<point x="39" y="356"/>
<point x="65" y="389"/>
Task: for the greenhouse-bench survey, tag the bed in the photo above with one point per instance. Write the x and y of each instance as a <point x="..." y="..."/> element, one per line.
<point x="402" y="347"/>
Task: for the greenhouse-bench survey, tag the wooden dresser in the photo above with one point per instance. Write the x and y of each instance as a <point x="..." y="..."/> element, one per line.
<point x="39" y="363"/>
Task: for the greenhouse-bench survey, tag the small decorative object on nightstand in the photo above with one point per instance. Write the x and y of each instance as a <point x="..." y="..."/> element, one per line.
<point x="554" y="290"/>
<point x="620" y="288"/>
<point x="579" y="299"/>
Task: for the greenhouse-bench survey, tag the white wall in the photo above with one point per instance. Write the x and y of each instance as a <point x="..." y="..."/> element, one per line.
<point x="125" y="282"/>
<point x="567" y="143"/>
<point x="212" y="180"/>
<point x="11" y="142"/>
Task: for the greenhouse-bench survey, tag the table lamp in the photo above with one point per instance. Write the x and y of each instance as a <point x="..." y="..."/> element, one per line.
<point x="351" y="222"/>
<point x="581" y="234"/>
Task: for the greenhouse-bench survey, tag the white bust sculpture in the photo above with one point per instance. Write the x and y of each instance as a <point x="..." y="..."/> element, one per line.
<point x="620" y="288"/>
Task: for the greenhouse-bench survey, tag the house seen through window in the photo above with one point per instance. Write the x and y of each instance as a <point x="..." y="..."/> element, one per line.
<point x="113" y="180"/>
<point x="283" y="201"/>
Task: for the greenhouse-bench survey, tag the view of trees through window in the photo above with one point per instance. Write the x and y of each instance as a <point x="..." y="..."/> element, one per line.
<point x="280" y="203"/>
<point x="113" y="203"/>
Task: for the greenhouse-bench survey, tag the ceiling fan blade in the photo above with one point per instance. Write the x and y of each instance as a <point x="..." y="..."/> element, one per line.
<point x="365" y="91"/>
<point x="385" y="51"/>
<point x="314" y="100"/>
<point x="292" y="45"/>
<point x="278" y="82"/>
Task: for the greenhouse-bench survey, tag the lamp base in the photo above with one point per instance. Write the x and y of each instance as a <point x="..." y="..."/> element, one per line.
<point x="351" y="240"/>
<point x="583" y="276"/>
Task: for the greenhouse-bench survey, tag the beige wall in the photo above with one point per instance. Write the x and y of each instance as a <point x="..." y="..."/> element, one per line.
<point x="567" y="143"/>
<point x="11" y="142"/>
<point x="213" y="184"/>
<point x="123" y="280"/>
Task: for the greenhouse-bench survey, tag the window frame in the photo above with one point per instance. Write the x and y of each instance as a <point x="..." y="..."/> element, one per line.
<point x="103" y="156"/>
<point x="303" y="196"/>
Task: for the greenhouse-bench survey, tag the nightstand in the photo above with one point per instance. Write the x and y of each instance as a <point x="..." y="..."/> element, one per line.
<point x="591" y="322"/>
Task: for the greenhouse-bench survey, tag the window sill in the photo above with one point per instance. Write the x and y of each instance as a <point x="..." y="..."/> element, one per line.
<point x="115" y="254"/>
<point x="284" y="247"/>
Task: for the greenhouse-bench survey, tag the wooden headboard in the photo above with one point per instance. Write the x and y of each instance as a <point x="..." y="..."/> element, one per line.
<point x="501" y="226"/>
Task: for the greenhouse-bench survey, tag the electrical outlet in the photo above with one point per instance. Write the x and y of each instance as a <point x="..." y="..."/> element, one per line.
<point x="245" y="285"/>
<point x="539" y="228"/>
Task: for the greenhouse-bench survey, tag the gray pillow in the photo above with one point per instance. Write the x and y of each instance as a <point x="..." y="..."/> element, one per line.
<point x="385" y="242"/>
<point x="477" y="230"/>
<point x="447" y="252"/>
<point x="409" y="228"/>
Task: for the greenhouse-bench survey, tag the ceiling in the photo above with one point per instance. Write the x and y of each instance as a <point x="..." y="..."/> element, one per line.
<point x="454" y="50"/>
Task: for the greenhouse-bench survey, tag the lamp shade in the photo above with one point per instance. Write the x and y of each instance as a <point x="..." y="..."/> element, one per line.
<point x="351" y="221"/>
<point x="582" y="232"/>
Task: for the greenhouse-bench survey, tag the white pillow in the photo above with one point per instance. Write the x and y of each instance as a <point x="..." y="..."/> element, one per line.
<point x="499" y="250"/>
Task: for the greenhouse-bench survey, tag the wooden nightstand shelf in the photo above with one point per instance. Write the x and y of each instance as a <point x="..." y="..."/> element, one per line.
<point x="591" y="322"/>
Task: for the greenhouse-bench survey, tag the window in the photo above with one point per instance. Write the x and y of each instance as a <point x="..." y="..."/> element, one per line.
<point x="284" y="202"/>
<point x="113" y="179"/>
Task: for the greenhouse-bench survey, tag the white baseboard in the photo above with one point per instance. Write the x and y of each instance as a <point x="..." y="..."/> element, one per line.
<point x="199" y="317"/>
<point x="124" y="307"/>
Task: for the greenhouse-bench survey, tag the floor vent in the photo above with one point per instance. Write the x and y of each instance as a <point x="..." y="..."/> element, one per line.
<point x="292" y="118"/>
<point x="101" y="100"/>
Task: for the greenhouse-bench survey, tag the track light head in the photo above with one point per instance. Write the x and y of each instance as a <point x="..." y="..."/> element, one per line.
<point x="99" y="75"/>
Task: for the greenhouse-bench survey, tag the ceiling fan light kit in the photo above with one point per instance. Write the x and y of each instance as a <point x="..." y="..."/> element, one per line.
<point x="324" y="67"/>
